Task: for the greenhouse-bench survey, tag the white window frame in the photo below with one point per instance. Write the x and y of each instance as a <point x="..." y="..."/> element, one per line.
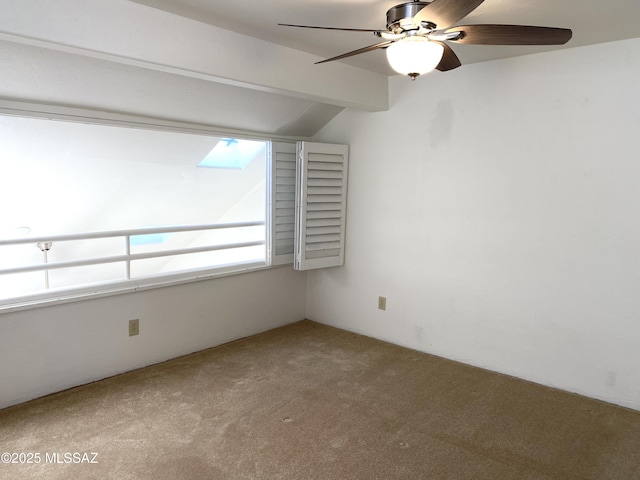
<point x="285" y="149"/>
<point x="83" y="291"/>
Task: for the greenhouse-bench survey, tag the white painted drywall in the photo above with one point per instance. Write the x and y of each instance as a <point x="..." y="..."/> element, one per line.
<point x="41" y="75"/>
<point x="44" y="350"/>
<point x="497" y="207"/>
<point x="126" y="33"/>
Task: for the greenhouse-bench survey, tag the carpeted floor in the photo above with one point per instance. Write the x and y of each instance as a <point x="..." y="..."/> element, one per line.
<point x="313" y="402"/>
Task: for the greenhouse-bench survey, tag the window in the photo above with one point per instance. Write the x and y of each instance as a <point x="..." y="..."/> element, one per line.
<point x="76" y="192"/>
<point x="99" y="206"/>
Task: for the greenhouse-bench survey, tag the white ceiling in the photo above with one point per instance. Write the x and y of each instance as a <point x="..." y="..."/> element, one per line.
<point x="591" y="21"/>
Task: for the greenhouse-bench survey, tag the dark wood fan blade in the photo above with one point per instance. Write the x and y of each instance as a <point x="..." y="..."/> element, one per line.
<point x="445" y="13"/>
<point x="511" y="35"/>
<point x="449" y="59"/>
<point x="332" y="28"/>
<point x="358" y="52"/>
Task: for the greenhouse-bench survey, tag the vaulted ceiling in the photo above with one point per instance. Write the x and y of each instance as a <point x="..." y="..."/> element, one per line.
<point x="591" y="21"/>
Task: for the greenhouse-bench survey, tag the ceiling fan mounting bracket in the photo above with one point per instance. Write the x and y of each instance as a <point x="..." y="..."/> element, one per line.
<point x="400" y="17"/>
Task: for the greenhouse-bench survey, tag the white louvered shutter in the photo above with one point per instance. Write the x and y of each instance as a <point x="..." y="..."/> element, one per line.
<point x="321" y="202"/>
<point x="283" y="192"/>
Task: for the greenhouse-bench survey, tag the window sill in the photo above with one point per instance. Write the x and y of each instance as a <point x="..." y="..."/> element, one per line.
<point x="68" y="295"/>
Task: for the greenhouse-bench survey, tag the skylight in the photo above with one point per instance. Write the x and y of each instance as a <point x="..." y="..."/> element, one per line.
<point x="232" y="153"/>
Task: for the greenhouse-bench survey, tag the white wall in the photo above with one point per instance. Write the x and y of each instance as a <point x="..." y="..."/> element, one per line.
<point x="41" y="75"/>
<point x="44" y="350"/>
<point x="497" y="207"/>
<point x="129" y="34"/>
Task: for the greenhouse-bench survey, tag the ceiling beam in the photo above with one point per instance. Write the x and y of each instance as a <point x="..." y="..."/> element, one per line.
<point x="129" y="33"/>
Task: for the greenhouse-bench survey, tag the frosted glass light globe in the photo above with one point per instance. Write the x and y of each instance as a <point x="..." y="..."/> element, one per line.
<point x="414" y="56"/>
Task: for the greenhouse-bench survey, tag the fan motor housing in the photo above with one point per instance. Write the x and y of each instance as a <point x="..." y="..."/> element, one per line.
<point x="400" y="17"/>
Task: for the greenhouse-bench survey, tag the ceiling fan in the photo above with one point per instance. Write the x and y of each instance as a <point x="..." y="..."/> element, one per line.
<point x="417" y="32"/>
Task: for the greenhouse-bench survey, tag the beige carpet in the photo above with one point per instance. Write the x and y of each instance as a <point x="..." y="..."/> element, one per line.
<point x="312" y="402"/>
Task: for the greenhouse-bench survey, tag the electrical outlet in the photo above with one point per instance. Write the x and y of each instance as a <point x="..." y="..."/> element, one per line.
<point x="382" y="303"/>
<point x="134" y="327"/>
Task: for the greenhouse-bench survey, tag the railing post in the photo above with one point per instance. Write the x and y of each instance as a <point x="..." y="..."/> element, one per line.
<point x="45" y="247"/>
<point x="128" y="252"/>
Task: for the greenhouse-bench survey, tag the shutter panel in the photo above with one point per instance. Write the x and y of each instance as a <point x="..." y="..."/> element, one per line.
<point x="283" y="192"/>
<point x="321" y="201"/>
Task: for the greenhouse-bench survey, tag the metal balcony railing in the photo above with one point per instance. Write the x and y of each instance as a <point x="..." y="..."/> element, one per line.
<point x="46" y="242"/>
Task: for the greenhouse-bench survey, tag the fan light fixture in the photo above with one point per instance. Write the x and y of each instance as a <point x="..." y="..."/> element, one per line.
<point x="418" y="34"/>
<point x="414" y="55"/>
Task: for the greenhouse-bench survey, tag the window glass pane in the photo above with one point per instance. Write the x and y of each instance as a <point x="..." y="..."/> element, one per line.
<point x="64" y="178"/>
<point x="155" y="266"/>
<point x="17" y="284"/>
<point x="88" y="275"/>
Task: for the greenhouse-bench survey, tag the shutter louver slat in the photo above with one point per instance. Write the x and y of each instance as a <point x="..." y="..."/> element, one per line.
<point x="323" y="254"/>
<point x="317" y="247"/>
<point x="320" y="215"/>
<point x="325" y="175"/>
<point x="314" y="238"/>
<point x="284" y="227"/>
<point x="286" y="196"/>
<point x="325" y="182"/>
<point x="286" y="181"/>
<point x="284" y="221"/>
<point x="325" y="191"/>
<point x="323" y="230"/>
<point x="325" y="167"/>
<point x="315" y="207"/>
<point x="324" y="198"/>
<point x="323" y="222"/>
<point x="286" y="205"/>
<point x="320" y="157"/>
